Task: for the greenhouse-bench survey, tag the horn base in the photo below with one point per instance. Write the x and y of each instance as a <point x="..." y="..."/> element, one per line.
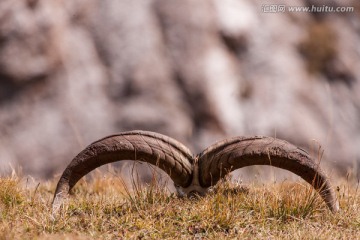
<point x="194" y="188"/>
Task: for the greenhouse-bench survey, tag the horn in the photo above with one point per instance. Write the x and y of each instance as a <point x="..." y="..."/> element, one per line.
<point x="228" y="155"/>
<point x="162" y="151"/>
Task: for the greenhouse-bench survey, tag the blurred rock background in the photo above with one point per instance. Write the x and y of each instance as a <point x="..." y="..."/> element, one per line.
<point x="72" y="72"/>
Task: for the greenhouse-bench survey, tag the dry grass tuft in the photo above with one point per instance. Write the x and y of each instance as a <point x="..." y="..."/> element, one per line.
<point x="103" y="209"/>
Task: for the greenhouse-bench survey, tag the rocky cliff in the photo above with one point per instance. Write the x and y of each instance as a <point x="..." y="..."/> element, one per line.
<point x="72" y="72"/>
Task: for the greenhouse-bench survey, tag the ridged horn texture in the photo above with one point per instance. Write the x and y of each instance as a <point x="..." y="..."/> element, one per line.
<point x="166" y="153"/>
<point x="228" y="155"/>
<point x="195" y="174"/>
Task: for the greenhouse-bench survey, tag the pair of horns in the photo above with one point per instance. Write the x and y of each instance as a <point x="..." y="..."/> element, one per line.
<point x="203" y="170"/>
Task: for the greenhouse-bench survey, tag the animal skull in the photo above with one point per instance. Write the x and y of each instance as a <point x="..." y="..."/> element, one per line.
<point x="195" y="174"/>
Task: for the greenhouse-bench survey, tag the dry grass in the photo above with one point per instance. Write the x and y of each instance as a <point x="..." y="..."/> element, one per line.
<point x="103" y="209"/>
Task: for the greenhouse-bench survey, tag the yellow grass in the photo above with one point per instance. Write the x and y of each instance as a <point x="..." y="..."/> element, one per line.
<point x="103" y="209"/>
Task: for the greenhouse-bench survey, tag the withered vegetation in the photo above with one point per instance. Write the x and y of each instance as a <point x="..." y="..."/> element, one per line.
<point x="102" y="208"/>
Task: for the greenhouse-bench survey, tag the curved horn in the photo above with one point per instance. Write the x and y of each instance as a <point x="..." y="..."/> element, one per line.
<point x="168" y="154"/>
<point x="229" y="155"/>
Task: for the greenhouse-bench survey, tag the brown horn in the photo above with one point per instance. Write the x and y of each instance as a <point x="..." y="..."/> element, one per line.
<point x="229" y="155"/>
<point x="166" y="153"/>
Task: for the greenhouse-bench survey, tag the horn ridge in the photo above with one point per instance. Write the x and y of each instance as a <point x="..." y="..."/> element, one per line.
<point x="229" y="155"/>
<point x="170" y="155"/>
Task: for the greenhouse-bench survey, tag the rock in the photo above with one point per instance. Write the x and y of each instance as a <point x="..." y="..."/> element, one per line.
<point x="198" y="71"/>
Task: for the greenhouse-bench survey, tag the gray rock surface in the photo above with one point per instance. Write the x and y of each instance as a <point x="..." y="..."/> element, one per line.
<point x="72" y="72"/>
